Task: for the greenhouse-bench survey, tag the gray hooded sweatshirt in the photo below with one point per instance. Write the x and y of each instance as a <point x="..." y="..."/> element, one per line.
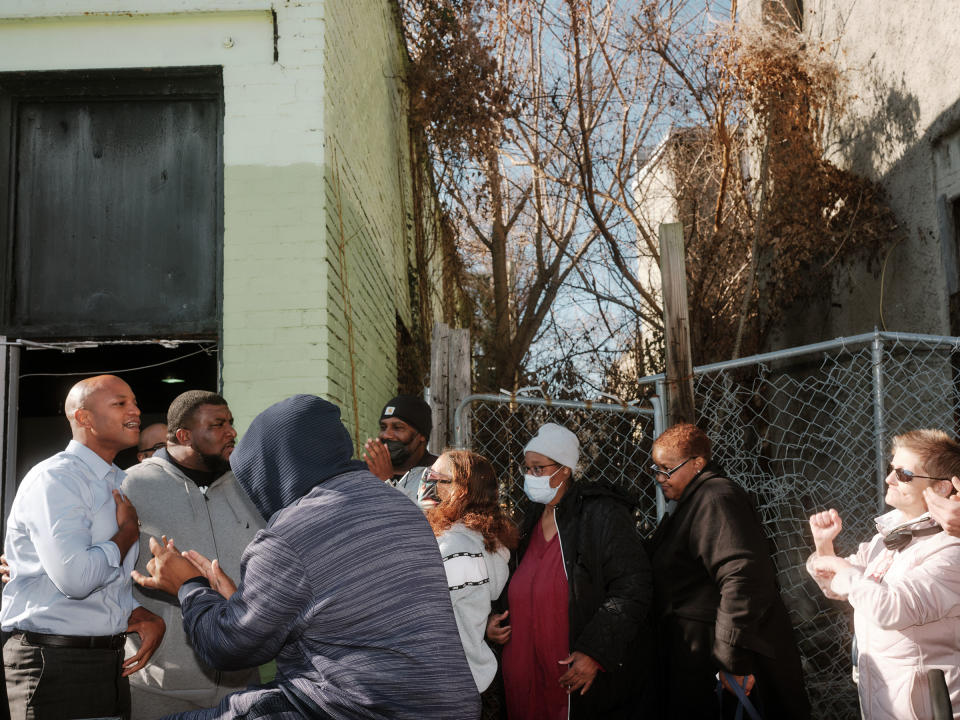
<point x="218" y="523"/>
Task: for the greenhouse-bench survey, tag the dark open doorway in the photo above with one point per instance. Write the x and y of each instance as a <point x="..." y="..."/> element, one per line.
<point x="47" y="374"/>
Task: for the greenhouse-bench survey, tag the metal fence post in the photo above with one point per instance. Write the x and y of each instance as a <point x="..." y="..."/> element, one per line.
<point x="659" y="425"/>
<point x="659" y="409"/>
<point x="879" y="427"/>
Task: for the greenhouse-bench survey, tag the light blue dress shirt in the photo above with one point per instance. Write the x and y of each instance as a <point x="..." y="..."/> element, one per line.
<point x="67" y="576"/>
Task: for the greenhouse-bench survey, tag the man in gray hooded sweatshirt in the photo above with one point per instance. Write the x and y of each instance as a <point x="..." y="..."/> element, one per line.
<point x="187" y="491"/>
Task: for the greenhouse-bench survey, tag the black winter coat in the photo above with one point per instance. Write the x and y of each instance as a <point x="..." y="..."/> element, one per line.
<point x="717" y="605"/>
<point x="609" y="582"/>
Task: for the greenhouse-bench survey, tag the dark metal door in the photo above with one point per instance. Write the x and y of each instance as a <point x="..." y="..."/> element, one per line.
<point x="113" y="203"/>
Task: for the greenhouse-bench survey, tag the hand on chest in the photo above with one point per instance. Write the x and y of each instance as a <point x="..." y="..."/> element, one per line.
<point x="103" y="518"/>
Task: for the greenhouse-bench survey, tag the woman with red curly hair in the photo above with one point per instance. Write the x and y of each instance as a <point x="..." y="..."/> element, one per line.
<point x="475" y="537"/>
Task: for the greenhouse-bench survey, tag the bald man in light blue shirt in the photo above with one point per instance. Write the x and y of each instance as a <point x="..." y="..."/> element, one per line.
<point x="71" y="544"/>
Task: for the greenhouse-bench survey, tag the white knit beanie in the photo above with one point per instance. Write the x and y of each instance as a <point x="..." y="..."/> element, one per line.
<point x="557" y="443"/>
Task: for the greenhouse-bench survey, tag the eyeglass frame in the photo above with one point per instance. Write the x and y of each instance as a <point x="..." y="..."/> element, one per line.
<point x="538" y="468"/>
<point x="154" y="447"/>
<point x="431" y="475"/>
<point x="907" y="476"/>
<point x="656" y="469"/>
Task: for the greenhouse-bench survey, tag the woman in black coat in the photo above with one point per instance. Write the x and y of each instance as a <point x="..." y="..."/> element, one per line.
<point x="579" y="596"/>
<point x="717" y="607"/>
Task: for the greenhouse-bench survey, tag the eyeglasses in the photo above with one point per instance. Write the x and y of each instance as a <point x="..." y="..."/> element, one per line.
<point x="152" y="450"/>
<point x="432" y="476"/>
<point x="905" y="476"/>
<point x="656" y="470"/>
<point x="536" y="470"/>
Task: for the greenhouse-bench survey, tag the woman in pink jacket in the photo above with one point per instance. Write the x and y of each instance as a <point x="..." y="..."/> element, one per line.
<point x="904" y="585"/>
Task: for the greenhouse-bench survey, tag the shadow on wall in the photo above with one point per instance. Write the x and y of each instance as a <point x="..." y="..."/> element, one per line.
<point x="891" y="146"/>
<point x="869" y="141"/>
<point x="915" y="281"/>
<point x="893" y="129"/>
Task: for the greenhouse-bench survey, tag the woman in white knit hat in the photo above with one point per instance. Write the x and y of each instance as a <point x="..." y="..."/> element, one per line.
<point x="579" y="596"/>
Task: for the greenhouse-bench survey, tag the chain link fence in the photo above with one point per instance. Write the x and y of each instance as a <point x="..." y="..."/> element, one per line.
<point x="615" y="442"/>
<point x="802" y="430"/>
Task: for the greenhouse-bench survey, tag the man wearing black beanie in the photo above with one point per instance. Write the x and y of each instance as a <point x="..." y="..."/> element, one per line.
<point x="405" y="425"/>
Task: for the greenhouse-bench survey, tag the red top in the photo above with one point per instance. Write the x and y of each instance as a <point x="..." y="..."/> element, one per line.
<point x="539" y="636"/>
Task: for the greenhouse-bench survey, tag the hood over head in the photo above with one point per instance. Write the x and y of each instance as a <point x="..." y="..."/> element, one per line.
<point x="290" y="448"/>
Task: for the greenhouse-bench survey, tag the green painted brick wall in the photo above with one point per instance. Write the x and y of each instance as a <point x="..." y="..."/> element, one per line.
<point x="274" y="283"/>
<point x="366" y="199"/>
<point x="285" y="323"/>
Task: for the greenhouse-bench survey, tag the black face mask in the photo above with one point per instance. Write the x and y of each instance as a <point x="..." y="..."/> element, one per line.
<point x="399" y="453"/>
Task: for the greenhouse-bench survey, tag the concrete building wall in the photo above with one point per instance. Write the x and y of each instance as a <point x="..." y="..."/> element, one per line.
<point x="902" y="107"/>
<point x="901" y="83"/>
<point x="314" y="132"/>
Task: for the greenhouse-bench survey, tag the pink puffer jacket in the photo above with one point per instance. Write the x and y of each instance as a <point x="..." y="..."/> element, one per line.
<point x="907" y="621"/>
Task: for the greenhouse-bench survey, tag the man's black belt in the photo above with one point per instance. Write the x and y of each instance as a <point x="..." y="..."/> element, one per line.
<point x="88" y="642"/>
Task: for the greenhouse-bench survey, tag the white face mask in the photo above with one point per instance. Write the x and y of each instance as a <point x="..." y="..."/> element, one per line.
<point x="537" y="487"/>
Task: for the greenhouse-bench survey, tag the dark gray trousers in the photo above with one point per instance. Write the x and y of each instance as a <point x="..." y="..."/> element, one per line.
<point x="63" y="683"/>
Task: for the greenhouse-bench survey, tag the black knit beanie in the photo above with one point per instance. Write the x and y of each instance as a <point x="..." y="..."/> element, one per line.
<point x="412" y="410"/>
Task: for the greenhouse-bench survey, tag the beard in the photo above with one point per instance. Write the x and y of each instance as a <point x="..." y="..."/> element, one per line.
<point x="215" y="463"/>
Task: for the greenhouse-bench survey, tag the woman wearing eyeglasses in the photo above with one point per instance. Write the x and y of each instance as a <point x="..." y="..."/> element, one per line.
<point x="579" y="597"/>
<point x="717" y="607"/>
<point x="475" y="537"/>
<point x="904" y="585"/>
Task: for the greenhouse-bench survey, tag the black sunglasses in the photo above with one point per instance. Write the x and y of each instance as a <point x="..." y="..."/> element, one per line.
<point x="656" y="470"/>
<point x="905" y="476"/>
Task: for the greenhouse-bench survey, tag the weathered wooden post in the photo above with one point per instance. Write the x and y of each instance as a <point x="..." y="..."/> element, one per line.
<point x="449" y="380"/>
<point x="676" y="326"/>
